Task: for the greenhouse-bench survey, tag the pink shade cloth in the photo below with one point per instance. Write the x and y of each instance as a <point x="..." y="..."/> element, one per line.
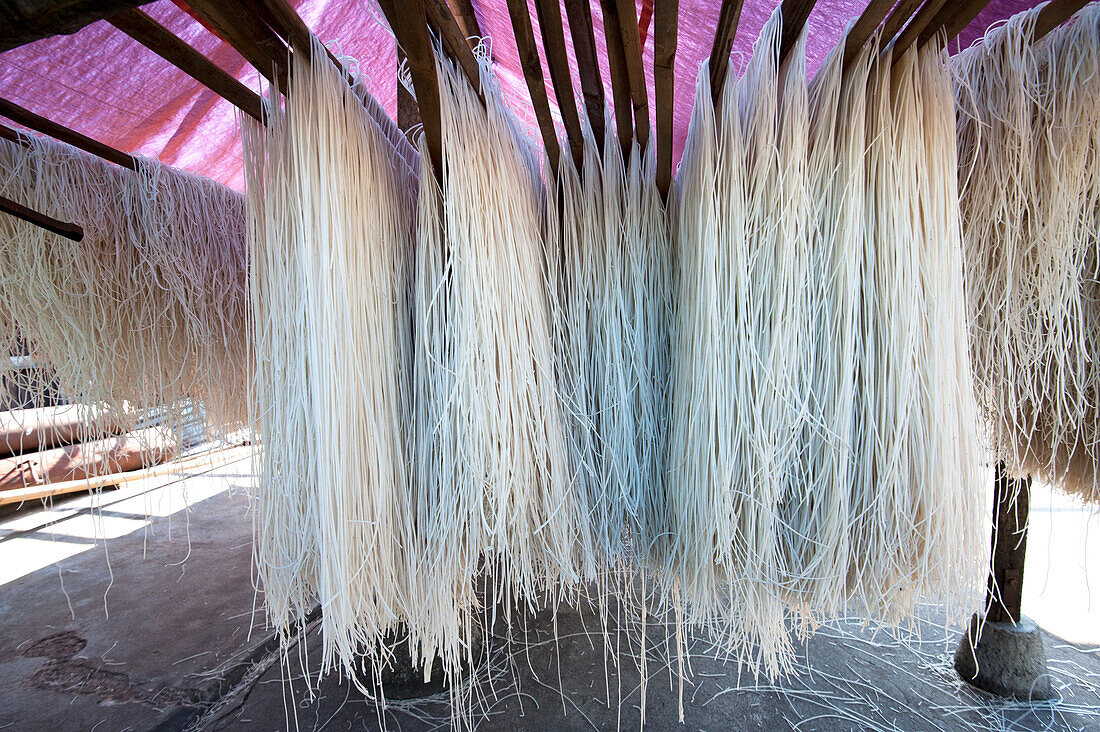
<point x="101" y="83"/>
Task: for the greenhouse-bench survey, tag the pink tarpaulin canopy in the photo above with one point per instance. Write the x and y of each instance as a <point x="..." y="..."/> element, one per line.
<point x="101" y="83"/>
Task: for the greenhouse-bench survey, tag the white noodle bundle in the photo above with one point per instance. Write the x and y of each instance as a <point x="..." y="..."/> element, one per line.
<point x="1027" y="132"/>
<point x="331" y="204"/>
<point x="150" y="309"/>
<point x="823" y="445"/>
<point x="492" y="453"/>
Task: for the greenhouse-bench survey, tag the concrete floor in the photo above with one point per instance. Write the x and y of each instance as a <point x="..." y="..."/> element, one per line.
<point x="157" y="628"/>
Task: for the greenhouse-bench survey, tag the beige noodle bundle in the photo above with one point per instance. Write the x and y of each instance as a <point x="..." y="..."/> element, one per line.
<point x="1027" y="131"/>
<point x="331" y="208"/>
<point x="493" y="466"/>
<point x="149" y="310"/>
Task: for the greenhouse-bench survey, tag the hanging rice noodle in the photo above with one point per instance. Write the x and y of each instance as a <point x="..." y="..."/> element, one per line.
<point x="822" y="445"/>
<point x="332" y="343"/>
<point x="493" y="459"/>
<point x="149" y="310"/>
<point x="1027" y="136"/>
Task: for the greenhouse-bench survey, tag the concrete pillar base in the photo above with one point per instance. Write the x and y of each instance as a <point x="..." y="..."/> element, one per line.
<point x="1006" y="659"/>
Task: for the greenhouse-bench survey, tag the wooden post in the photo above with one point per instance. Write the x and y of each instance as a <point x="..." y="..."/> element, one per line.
<point x="1011" y="497"/>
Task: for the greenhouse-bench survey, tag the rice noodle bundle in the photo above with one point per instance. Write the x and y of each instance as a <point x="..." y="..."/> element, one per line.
<point x="493" y="461"/>
<point x="1027" y="130"/>
<point x="332" y="341"/>
<point x="149" y="310"/>
<point x="823" y="444"/>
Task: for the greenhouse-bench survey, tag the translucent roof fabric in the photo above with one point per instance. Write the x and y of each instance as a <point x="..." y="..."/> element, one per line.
<point x="101" y="83"/>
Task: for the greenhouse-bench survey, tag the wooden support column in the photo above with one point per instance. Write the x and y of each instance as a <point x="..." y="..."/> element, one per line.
<point x="1011" y="499"/>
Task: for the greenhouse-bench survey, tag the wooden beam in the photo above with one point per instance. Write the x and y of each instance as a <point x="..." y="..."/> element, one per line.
<point x="467" y="18"/>
<point x="588" y="65"/>
<point x="1054" y="14"/>
<point x="635" y="73"/>
<point x="13" y="135"/>
<point x="795" y="14"/>
<point x="26" y="21"/>
<point x="953" y="18"/>
<point x="262" y="49"/>
<point x="920" y="23"/>
<point x="164" y="43"/>
<point x="443" y="23"/>
<point x="897" y="19"/>
<point x="616" y="65"/>
<point x="532" y="73"/>
<point x="864" y="28"/>
<point x="61" y="228"/>
<point x="59" y="132"/>
<point x="728" y="17"/>
<point x="553" y="43"/>
<point x="410" y="26"/>
<point x="408" y="114"/>
<point x="664" y="81"/>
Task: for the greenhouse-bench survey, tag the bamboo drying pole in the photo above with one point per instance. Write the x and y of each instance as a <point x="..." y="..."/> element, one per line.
<point x="724" y="34"/>
<point x="410" y="27"/>
<point x="664" y="73"/>
<point x="61" y="228"/>
<point x="444" y="25"/>
<point x="164" y="43"/>
<point x="467" y="19"/>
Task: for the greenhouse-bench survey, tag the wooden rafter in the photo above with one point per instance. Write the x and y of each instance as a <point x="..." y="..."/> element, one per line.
<point x="467" y="18"/>
<point x="588" y="65"/>
<point x="410" y="26"/>
<point x="553" y="43"/>
<point x="61" y="228"/>
<point x="664" y="81"/>
<point x="635" y="73"/>
<point x="1054" y="14"/>
<point x="443" y="24"/>
<point x="532" y="72"/>
<point x="864" y="28"/>
<point x="616" y="66"/>
<point x="795" y="15"/>
<point x="920" y="23"/>
<point x="728" y="17"/>
<point x="164" y="43"/>
<point x="252" y="40"/>
<point x="898" y="18"/>
<point x="52" y="129"/>
<point x="952" y="18"/>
